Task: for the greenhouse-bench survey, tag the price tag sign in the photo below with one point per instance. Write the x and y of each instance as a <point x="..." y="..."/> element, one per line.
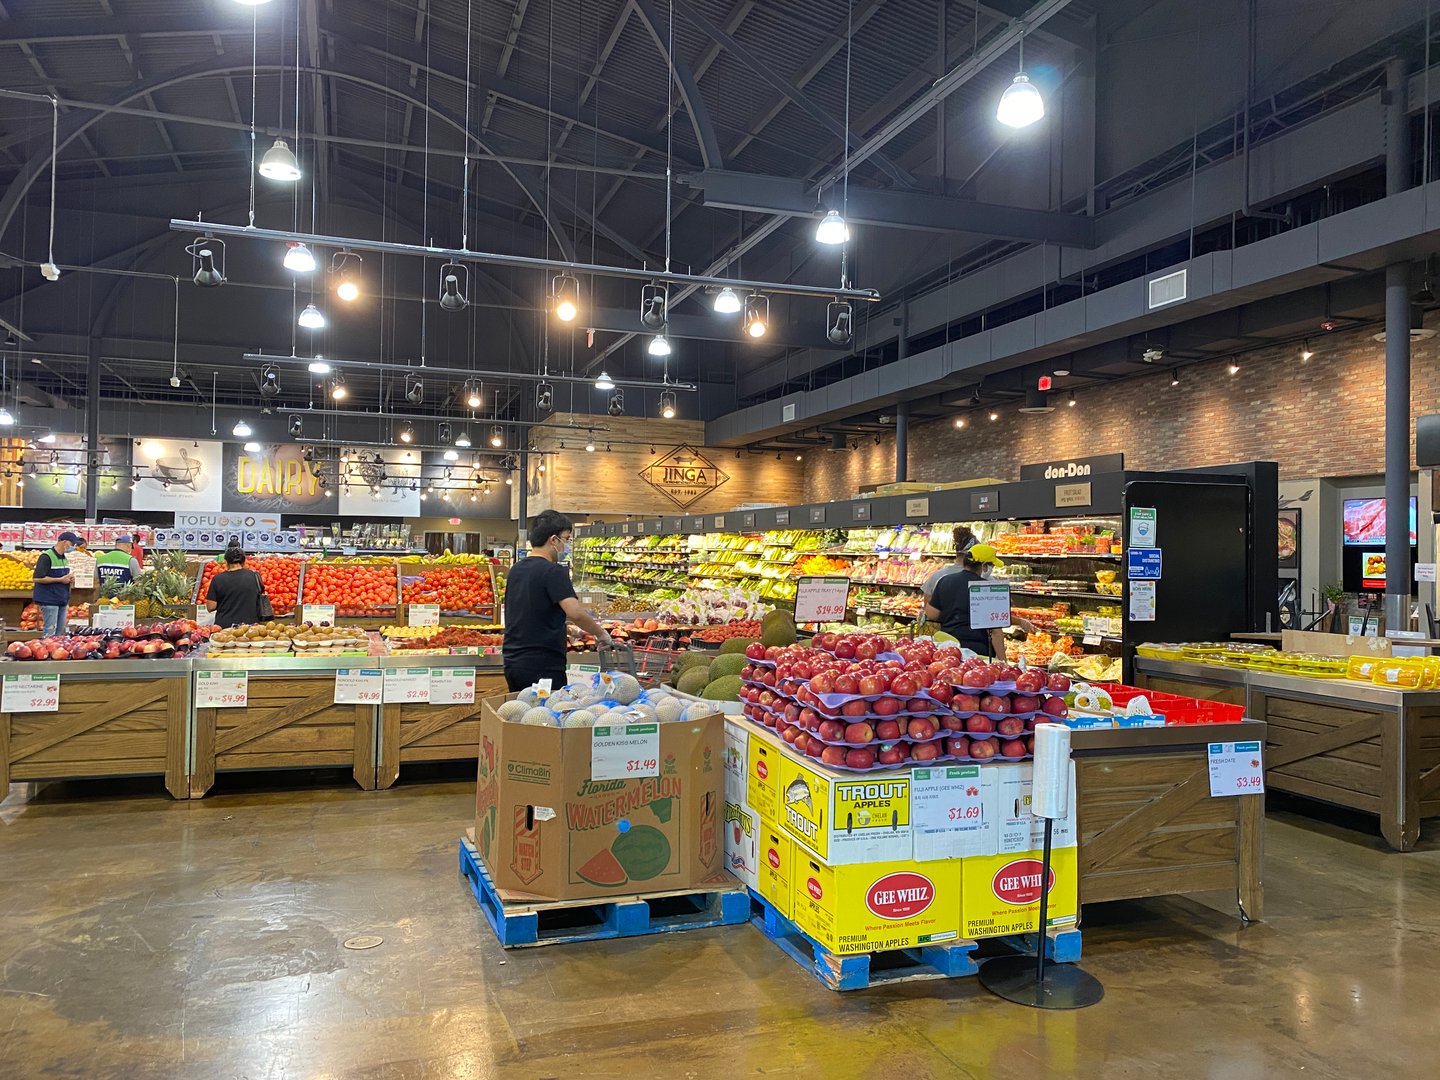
<point x="222" y="689"/>
<point x="113" y="618"/>
<point x="317" y="614"/>
<point x="359" y="686"/>
<point x="580" y="672"/>
<point x="31" y="693"/>
<point x="625" y="752"/>
<point x="989" y="605"/>
<point x="423" y="615"/>
<point x="821" y="599"/>
<point x="404" y="685"/>
<point x="949" y="814"/>
<point x="1424" y="571"/>
<point x="1236" y="769"/>
<point x="452" y="686"/>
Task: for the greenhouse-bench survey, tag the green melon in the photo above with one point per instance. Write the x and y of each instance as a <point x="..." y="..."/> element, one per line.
<point x="643" y="852"/>
<point x="604" y="869"/>
<point x="735" y="644"/>
<point x="727" y="664"/>
<point x="725" y="688"/>
<point x="694" y="680"/>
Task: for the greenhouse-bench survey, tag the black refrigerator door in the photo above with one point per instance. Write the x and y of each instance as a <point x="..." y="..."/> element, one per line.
<point x="1201" y="530"/>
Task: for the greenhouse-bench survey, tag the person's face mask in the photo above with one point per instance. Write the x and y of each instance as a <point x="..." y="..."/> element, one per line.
<point x="986" y="570"/>
<point x="565" y="547"/>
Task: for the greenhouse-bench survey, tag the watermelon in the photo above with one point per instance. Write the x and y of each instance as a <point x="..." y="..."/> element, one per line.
<point x="643" y="852"/>
<point x="604" y="870"/>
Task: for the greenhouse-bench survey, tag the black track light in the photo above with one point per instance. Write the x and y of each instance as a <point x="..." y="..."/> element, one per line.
<point x="270" y="381"/>
<point x="616" y="406"/>
<point x="297" y="426"/>
<point x="654" y="300"/>
<point x="839" y="322"/>
<point x="757" y="315"/>
<point x="207" y="256"/>
<point x="454" y="285"/>
<point x="667" y="405"/>
<point x="414" y="389"/>
<point x="544" y="398"/>
<point x="443" y="433"/>
<point x="566" y="290"/>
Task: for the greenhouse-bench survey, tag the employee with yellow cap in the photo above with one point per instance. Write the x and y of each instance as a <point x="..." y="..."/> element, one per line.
<point x="948" y="600"/>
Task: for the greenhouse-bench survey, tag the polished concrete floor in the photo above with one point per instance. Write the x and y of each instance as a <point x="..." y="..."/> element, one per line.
<point x="145" y="938"/>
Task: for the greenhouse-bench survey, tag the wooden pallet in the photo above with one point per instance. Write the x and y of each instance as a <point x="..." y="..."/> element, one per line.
<point x="861" y="971"/>
<point x="556" y="922"/>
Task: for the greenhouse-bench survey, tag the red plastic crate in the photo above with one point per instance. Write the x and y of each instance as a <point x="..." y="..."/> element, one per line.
<point x="1175" y="708"/>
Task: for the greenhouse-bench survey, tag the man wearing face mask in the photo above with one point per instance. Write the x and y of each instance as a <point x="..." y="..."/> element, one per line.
<point x="949" y="602"/>
<point x="539" y="598"/>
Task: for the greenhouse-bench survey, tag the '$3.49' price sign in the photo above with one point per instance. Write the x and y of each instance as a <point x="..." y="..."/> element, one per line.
<point x="1236" y="769"/>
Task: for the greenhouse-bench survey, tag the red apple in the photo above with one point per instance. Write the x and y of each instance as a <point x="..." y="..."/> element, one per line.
<point x="866" y="650"/>
<point x="823" y="683"/>
<point x="925" y="751"/>
<point x="860" y="758"/>
<point x="951" y="722"/>
<point x="870" y="685"/>
<point x="942" y="693"/>
<point x="904" y="685"/>
<point x="846" y="684"/>
<point x="957" y="746"/>
<point x="1057" y="683"/>
<point x="1022" y="704"/>
<point x="976" y="678"/>
<point x="803" y="740"/>
<point x="887" y="730"/>
<point x="809" y="719"/>
<point x="893" y="753"/>
<point x="831" y="731"/>
<point x="1029" y="742"/>
<point x="919" y="705"/>
<point x="1054" y="706"/>
<point x="983" y="749"/>
<point x="964" y="703"/>
<point x="979" y="725"/>
<point x="814" y="748"/>
<point x="845" y="649"/>
<point x="1011" y="725"/>
<point x="792" y="713"/>
<point x="886" y="706"/>
<point x="790" y="733"/>
<point x="1015" y="748"/>
<point x="859" y="733"/>
<point x="1030" y="682"/>
<point x="833" y="755"/>
<point x="755" y="651"/>
<point x="857" y="707"/>
<point x="920" y="727"/>
<point x="995" y="703"/>
<point x="1007" y="673"/>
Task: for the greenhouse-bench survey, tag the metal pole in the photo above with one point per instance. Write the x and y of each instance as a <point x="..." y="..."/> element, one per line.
<point x="902" y="442"/>
<point x="92" y="432"/>
<point x="1040" y="934"/>
<point x="1397" y="446"/>
<point x="522" y="508"/>
<point x="1397" y="129"/>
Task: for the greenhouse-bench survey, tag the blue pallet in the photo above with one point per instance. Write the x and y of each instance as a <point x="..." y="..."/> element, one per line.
<point x="557" y="922"/>
<point x="864" y="970"/>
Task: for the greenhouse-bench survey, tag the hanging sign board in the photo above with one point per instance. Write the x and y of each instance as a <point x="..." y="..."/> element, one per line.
<point x="1074" y="467"/>
<point x="917" y="508"/>
<point x="989" y="605"/>
<point x="821" y="599"/>
<point x="1072" y="495"/>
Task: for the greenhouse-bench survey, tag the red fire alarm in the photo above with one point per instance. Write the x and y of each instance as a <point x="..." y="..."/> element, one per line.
<point x="1045" y="382"/>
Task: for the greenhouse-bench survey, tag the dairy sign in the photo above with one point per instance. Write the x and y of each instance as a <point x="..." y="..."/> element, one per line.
<point x="684" y="476"/>
<point x="1074" y="468"/>
<point x="277" y="477"/>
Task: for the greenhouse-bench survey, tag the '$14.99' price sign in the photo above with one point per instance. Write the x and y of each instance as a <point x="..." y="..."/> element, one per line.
<point x="821" y="599"/>
<point x="1236" y="769"/>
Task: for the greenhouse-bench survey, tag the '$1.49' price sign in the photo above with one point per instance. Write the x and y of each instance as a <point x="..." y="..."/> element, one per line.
<point x="624" y="751"/>
<point x="1236" y="769"/>
<point x="641" y="768"/>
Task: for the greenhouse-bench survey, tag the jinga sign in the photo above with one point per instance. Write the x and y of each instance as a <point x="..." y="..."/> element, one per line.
<point x="684" y="476"/>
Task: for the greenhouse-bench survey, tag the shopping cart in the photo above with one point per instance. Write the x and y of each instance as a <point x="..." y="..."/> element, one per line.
<point x="649" y="661"/>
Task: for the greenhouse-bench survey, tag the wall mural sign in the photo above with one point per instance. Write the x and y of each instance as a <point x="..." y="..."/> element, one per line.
<point x="684" y="476"/>
<point x="56" y="477"/>
<point x="177" y="475"/>
<point x="276" y="479"/>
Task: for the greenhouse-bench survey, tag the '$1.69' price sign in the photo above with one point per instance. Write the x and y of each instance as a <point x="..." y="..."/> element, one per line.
<point x="1236" y="769"/>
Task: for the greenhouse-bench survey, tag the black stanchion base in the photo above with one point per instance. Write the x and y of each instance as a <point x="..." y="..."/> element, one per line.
<point x="1065" y="986"/>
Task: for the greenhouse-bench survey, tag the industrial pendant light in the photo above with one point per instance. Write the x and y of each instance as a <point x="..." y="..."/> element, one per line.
<point x="311" y="318"/>
<point x="497" y="437"/>
<point x="544" y="398"/>
<point x="319" y="366"/>
<point x="726" y="302"/>
<point x="270" y="381"/>
<point x="667" y="404"/>
<point x="1021" y="104"/>
<point x="757" y="314"/>
<point x="337" y="387"/>
<point x="616" y="405"/>
<point x="299" y="258"/>
<point x="7" y="418"/>
<point x="207" y="262"/>
<point x="472" y="395"/>
<point x="279" y="163"/>
<point x="567" y="297"/>
<point x="407" y="433"/>
<point x="252" y="3"/>
<point x="241" y="430"/>
<point x="451" y="455"/>
<point x="604" y="382"/>
<point x="348" y="288"/>
<point x="252" y="447"/>
<point x="659" y="346"/>
<point x="840" y="320"/>
<point x="654" y="300"/>
<point x="463" y="439"/>
<point x="453" y="281"/>
<point x="832" y="229"/>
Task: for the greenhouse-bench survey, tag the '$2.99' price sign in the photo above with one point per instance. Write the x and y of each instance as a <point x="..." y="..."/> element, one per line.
<point x="30" y="693"/>
<point x="1236" y="769"/>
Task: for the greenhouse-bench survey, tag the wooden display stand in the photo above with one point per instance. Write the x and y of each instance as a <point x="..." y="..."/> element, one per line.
<point x="291" y="722"/>
<point x="118" y="724"/>
<point x="1148" y="825"/>
<point x="419" y="732"/>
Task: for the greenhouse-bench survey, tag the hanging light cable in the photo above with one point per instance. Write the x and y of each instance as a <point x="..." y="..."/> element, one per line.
<point x="833" y="227"/>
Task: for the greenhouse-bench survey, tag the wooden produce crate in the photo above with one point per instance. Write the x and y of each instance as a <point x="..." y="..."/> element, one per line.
<point x="291" y="722"/>
<point x="130" y="719"/>
<point x="1148" y="825"/>
<point x="412" y="732"/>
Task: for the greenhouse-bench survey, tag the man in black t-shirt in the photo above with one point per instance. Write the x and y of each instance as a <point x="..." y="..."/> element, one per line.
<point x="539" y="598"/>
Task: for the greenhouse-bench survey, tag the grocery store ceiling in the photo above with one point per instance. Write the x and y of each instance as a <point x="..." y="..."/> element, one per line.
<point x="1135" y="168"/>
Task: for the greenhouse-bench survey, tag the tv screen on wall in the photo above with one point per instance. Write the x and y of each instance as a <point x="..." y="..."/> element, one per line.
<point x="1365" y="522"/>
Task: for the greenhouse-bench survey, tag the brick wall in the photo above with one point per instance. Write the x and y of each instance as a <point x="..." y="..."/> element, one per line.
<point x="1323" y="418"/>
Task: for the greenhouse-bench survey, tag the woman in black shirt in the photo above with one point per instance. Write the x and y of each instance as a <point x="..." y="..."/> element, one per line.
<point x="234" y="593"/>
<point x="949" y="604"/>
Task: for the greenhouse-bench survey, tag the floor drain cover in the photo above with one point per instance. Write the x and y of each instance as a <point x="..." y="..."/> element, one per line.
<point x="363" y="941"/>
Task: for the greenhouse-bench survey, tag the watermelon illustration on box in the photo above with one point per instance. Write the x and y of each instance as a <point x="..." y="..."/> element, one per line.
<point x="547" y="829"/>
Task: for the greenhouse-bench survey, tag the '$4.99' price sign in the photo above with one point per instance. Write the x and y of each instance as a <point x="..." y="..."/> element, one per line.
<point x="1236" y="769"/>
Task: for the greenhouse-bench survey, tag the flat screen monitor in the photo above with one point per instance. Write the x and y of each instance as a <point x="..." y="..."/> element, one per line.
<point x="1365" y="522"/>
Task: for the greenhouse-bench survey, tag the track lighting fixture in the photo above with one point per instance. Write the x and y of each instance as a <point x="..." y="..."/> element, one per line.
<point x="832" y="229"/>
<point x="799" y="457"/>
<point x="346" y="267"/>
<point x="616" y="405"/>
<point x="414" y="389"/>
<point x="407" y="433"/>
<point x="994" y="416"/>
<point x="451" y="455"/>
<point x="1175" y="377"/>
<point x="839" y="320"/>
<point x="311" y="318"/>
<point x="654" y="300"/>
<point x="472" y="395"/>
<point x="566" y="290"/>
<point x="337" y="387"/>
<point x="307" y="455"/>
<point x="463" y="439"/>
<point x="667" y="405"/>
<point x="252" y="447"/>
<point x="454" y="285"/>
<point x="297" y="426"/>
<point x="270" y="381"/>
<point x="1071" y="402"/>
<point x="279" y="162"/>
<point x="1305" y="353"/>
<point x="319" y="366"/>
<point x="959" y="423"/>
<point x="1234" y="366"/>
<point x="589" y="446"/>
<point x="757" y="315"/>
<point x="298" y="258"/>
<point x="207" y="256"/>
<point x="726" y="302"/>
<point x="497" y="437"/>
<point x="241" y="430"/>
<point x="659" y="346"/>
<point x="604" y="382"/>
<point x="544" y="398"/>
<point x="1021" y="104"/>
<point x="443" y="433"/>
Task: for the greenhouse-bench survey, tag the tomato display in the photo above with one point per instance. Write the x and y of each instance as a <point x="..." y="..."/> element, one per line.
<point x="280" y="576"/>
<point x="354" y="590"/>
<point x="454" y="588"/>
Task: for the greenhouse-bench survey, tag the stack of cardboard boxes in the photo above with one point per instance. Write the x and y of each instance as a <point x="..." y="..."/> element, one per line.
<point x="889" y="860"/>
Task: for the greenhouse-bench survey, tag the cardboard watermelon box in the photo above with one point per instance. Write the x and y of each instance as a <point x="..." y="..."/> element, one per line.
<point x="548" y="829"/>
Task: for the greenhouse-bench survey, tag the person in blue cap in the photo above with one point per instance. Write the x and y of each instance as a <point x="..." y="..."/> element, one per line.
<point x="53" y="578"/>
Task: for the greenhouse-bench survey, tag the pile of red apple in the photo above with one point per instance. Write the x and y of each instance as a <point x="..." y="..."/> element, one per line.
<point x="158" y="640"/>
<point x="852" y="646"/>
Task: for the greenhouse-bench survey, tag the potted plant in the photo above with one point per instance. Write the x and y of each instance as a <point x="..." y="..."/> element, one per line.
<point x="1334" y="596"/>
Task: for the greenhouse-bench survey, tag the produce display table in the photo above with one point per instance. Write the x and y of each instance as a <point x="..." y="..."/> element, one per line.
<point x="290" y="722"/>
<point x="115" y="718"/>
<point x="1148" y="825"/>
<point x="418" y="731"/>
<point x="1350" y="743"/>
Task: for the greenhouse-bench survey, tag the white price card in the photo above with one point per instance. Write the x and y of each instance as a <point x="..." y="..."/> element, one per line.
<point x="222" y="689"/>
<point x="950" y="808"/>
<point x="1236" y="768"/>
<point x="1424" y="571"/>
<point x="317" y="614"/>
<point x="423" y="615"/>
<point x="406" y="685"/>
<point x="624" y="752"/>
<point x="359" y="686"/>
<point x="821" y="599"/>
<point x="1142" y="601"/>
<point x="452" y="686"/>
<point x="113" y="618"/>
<point x="989" y="605"/>
<point x="30" y="693"/>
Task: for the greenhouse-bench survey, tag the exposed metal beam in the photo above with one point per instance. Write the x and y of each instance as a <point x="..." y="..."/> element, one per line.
<point x="1005" y="10"/>
<point x="897" y="209"/>
<point x="767" y="74"/>
<point x="685" y="80"/>
<point x="725" y="328"/>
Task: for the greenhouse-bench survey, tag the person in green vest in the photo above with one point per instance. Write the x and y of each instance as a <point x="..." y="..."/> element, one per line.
<point x="117" y="567"/>
<point x="53" y="578"/>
